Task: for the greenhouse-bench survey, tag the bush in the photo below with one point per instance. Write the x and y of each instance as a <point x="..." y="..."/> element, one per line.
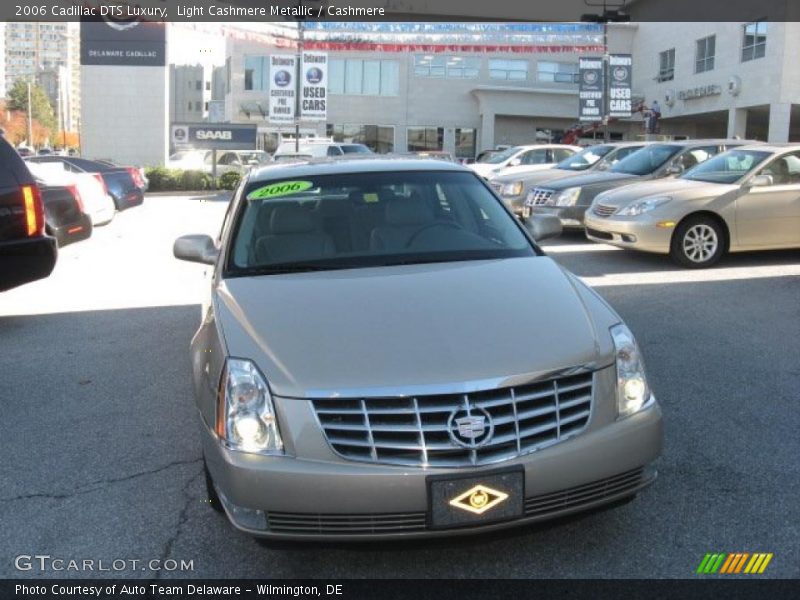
<point x="195" y="180"/>
<point x="229" y="180"/>
<point x="174" y="180"/>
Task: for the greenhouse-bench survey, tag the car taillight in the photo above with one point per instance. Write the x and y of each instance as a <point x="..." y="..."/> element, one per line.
<point x="34" y="210"/>
<point x="136" y="176"/>
<point x="102" y="182"/>
<point x="77" y="195"/>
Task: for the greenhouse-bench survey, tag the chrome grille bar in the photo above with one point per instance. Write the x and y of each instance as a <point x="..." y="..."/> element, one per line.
<point x="414" y="431"/>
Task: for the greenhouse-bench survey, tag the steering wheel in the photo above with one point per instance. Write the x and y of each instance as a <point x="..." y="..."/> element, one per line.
<point x="424" y="228"/>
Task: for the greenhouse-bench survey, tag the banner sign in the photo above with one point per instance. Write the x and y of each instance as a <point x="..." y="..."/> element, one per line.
<point x="220" y="137"/>
<point x="590" y="89"/>
<point x="314" y="95"/>
<point x="619" y="85"/>
<point x="282" y="70"/>
<point x="130" y="43"/>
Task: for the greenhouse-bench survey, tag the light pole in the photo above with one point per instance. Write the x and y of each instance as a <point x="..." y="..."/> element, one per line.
<point x="297" y="88"/>
<point x="30" y="116"/>
<point x="614" y="15"/>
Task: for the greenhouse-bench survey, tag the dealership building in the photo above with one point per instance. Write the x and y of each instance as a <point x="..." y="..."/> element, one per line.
<point x="466" y="87"/>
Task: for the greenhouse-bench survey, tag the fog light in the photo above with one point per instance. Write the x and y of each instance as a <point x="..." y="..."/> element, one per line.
<point x="247" y="518"/>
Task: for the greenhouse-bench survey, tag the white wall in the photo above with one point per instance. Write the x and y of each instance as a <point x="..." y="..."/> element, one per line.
<point x="124" y="114"/>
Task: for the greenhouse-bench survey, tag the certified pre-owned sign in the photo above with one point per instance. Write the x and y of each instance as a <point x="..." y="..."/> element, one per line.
<point x="214" y="136"/>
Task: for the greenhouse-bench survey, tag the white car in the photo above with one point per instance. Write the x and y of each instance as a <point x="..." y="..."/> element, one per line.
<point x="97" y="202"/>
<point x="524" y="158"/>
<point x="188" y="160"/>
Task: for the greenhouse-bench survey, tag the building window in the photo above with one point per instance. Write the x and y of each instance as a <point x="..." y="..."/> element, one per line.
<point x="754" y="43"/>
<point x="189" y="83"/>
<point x="208" y="86"/>
<point x="228" y="75"/>
<point x="425" y="138"/>
<point x="557" y="72"/>
<point x="206" y="106"/>
<point x="704" y="54"/>
<point x="377" y="138"/>
<point x="190" y="106"/>
<point x="514" y="70"/>
<point x="456" y="67"/>
<point x="666" y="65"/>
<point x="256" y="73"/>
<point x="362" y="77"/>
<point x="197" y="105"/>
<point x="465" y="143"/>
<point x="198" y="86"/>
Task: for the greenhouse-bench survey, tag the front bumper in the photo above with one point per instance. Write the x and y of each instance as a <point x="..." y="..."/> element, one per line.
<point x="637" y="233"/>
<point x="571" y="216"/>
<point x="332" y="498"/>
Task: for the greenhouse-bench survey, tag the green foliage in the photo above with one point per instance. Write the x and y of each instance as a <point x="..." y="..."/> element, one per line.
<point x="41" y="109"/>
<point x="176" y="180"/>
<point x="230" y="180"/>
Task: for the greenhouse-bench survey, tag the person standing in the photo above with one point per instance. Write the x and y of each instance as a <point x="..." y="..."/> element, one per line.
<point x="655" y="117"/>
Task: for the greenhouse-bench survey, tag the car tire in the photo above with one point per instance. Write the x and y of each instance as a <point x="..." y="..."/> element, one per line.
<point x="698" y="242"/>
<point x="211" y="492"/>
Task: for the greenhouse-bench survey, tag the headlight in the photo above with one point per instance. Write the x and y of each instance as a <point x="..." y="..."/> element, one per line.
<point x="643" y="206"/>
<point x="514" y="188"/>
<point x="632" y="390"/>
<point x="568" y="197"/>
<point x="245" y="413"/>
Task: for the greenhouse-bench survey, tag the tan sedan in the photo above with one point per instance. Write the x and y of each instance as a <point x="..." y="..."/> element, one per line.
<point x="743" y="199"/>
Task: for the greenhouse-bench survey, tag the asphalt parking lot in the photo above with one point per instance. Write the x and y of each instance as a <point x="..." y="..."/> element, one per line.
<point x="101" y="458"/>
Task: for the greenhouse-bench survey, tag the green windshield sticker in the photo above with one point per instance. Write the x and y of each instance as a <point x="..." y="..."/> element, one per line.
<point x="278" y="190"/>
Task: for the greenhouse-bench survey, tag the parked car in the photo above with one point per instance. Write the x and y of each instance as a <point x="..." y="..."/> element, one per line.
<point x="319" y="148"/>
<point x="27" y="253"/>
<point x="64" y="214"/>
<point x="188" y="160"/>
<point x="404" y="403"/>
<point x="125" y="184"/>
<point x="569" y="197"/>
<point x="744" y="199"/>
<point x="138" y="173"/>
<point x="240" y="161"/>
<point x="91" y="187"/>
<point x="514" y="185"/>
<point x="537" y="156"/>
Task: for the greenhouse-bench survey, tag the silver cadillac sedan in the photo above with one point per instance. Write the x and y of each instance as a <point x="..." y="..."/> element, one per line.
<point x="387" y="353"/>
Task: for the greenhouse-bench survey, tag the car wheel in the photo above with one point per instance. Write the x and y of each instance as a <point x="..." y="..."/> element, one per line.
<point x="213" y="497"/>
<point x="698" y="242"/>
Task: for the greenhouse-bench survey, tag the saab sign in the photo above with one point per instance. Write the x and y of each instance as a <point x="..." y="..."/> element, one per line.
<point x="210" y="136"/>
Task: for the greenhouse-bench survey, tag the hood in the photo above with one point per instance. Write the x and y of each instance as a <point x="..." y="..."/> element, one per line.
<point x="452" y="327"/>
<point x="521" y="171"/>
<point x="684" y="189"/>
<point x="601" y="179"/>
<point x="533" y="177"/>
<point x="486" y="169"/>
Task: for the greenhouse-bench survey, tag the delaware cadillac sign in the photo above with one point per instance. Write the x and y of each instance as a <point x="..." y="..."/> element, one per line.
<point x="130" y="43"/>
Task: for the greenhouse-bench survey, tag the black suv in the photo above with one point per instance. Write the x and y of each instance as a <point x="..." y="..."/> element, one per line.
<point x="26" y="253"/>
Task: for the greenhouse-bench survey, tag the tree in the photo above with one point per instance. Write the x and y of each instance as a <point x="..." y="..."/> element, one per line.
<point x="42" y="110"/>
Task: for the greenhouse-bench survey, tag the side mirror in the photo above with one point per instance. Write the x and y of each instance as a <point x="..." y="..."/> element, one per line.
<point x="761" y="181"/>
<point x="514" y="162"/>
<point x="196" y="248"/>
<point x="543" y="227"/>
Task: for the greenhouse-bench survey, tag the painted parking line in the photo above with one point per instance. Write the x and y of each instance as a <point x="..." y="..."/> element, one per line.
<point x="687" y="276"/>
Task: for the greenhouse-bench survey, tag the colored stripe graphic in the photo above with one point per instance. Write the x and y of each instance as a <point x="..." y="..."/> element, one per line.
<point x="734" y="562"/>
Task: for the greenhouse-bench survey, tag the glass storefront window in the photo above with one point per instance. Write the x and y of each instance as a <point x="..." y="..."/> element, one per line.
<point x="465" y="143"/>
<point x="378" y="138"/>
<point x="256" y="73"/>
<point x="425" y="138"/>
<point x="360" y="77"/>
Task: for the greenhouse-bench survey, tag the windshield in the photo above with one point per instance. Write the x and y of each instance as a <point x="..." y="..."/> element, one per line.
<point x="584" y="159"/>
<point x="370" y="219"/>
<point x="646" y="160"/>
<point x="727" y="167"/>
<point x="503" y="156"/>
